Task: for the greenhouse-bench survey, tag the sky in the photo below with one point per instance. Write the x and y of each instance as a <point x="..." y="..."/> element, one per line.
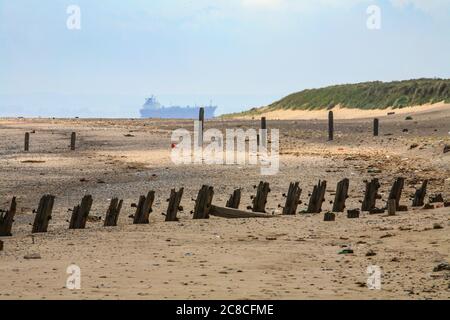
<point x="236" y="53"/>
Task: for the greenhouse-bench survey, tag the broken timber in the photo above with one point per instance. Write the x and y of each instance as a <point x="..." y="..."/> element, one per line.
<point x="112" y="215"/>
<point x="235" y="213"/>
<point x="7" y="219"/>
<point x="144" y="208"/>
<point x="317" y="198"/>
<point x="174" y="204"/>
<point x="203" y="202"/>
<point x="371" y="195"/>
<point x="419" y="196"/>
<point x="235" y="199"/>
<point x="396" y="193"/>
<point x="341" y="195"/>
<point x="260" y="200"/>
<point x="80" y="213"/>
<point x="43" y="214"/>
<point x="292" y="199"/>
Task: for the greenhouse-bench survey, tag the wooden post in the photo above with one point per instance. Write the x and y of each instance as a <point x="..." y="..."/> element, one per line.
<point x="235" y="199"/>
<point x="144" y="208"/>
<point x="174" y="204"/>
<point x="330" y="126"/>
<point x="376" y="124"/>
<point x="419" y="196"/>
<point x="43" y="214"/>
<point x="73" y="139"/>
<point x="371" y="195"/>
<point x="112" y="215"/>
<point x="27" y="141"/>
<point x="80" y="213"/>
<point x="353" y="214"/>
<point x="396" y="192"/>
<point x="7" y="219"/>
<point x="203" y="202"/>
<point x="201" y="118"/>
<point x="1" y="245"/>
<point x="263" y="135"/>
<point x="391" y="207"/>
<point x="329" y="216"/>
<point x="317" y="197"/>
<point x="292" y="199"/>
<point x="341" y="195"/>
<point x="260" y="200"/>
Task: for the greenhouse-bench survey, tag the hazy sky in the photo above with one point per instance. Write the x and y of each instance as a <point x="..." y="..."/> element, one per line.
<point x="239" y="53"/>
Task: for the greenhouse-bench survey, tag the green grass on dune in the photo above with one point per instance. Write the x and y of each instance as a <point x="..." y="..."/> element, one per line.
<point x="366" y="95"/>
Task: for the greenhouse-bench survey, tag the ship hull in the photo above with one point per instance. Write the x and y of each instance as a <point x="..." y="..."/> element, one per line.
<point x="177" y="113"/>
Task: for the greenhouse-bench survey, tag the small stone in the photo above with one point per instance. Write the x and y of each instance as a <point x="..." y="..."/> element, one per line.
<point x="370" y="253"/>
<point x="413" y="146"/>
<point x="444" y="266"/>
<point x="32" y="256"/>
<point x="346" y="251"/>
<point x="437" y="226"/>
<point x="447" y="148"/>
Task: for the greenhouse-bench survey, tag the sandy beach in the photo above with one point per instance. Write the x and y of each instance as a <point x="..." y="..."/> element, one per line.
<point x="284" y="257"/>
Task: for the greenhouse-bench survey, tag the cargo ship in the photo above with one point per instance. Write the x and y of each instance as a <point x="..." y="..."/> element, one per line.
<point x="153" y="109"/>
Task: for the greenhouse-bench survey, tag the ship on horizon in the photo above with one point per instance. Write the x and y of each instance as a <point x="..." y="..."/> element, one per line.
<point x="153" y="109"/>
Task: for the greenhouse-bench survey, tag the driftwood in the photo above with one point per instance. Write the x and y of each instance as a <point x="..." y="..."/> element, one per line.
<point x="73" y="139"/>
<point x="317" y="197"/>
<point x="112" y="215"/>
<point x="7" y="219"/>
<point x="396" y="192"/>
<point x="329" y="216"/>
<point x="353" y="214"/>
<point x="260" y="200"/>
<point x="371" y="195"/>
<point x="144" y="208"/>
<point x="80" y="213"/>
<point x="43" y="214"/>
<point x="235" y="199"/>
<point x="235" y="213"/>
<point x="419" y="196"/>
<point x="292" y="199"/>
<point x="341" y="195"/>
<point x="203" y="202"/>
<point x="174" y="204"/>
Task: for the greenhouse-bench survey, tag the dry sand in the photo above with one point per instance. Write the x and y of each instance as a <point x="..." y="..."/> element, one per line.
<point x="280" y="258"/>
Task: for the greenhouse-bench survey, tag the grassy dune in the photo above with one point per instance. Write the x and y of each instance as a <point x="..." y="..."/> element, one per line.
<point x="366" y="95"/>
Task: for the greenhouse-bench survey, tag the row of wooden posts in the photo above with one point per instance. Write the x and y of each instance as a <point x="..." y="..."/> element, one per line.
<point x="376" y="124"/>
<point x="204" y="207"/>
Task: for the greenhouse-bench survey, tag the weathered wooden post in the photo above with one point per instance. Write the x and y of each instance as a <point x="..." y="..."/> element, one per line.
<point x="112" y="215"/>
<point x="330" y="126"/>
<point x="43" y="214"/>
<point x="27" y="141"/>
<point x="7" y="219"/>
<point x="80" y="213"/>
<point x="317" y="197"/>
<point x="353" y="214"/>
<point x="341" y="195"/>
<point x="73" y="139"/>
<point x="263" y="135"/>
<point x="371" y="195"/>
<point x="260" y="200"/>
<point x="329" y="216"/>
<point x="203" y="202"/>
<point x="201" y="118"/>
<point x="419" y="196"/>
<point x="1" y="245"/>
<point x="144" y="208"/>
<point x="376" y="124"/>
<point x="235" y="199"/>
<point x="292" y="199"/>
<point x="391" y="207"/>
<point x="396" y="192"/>
<point x="174" y="204"/>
